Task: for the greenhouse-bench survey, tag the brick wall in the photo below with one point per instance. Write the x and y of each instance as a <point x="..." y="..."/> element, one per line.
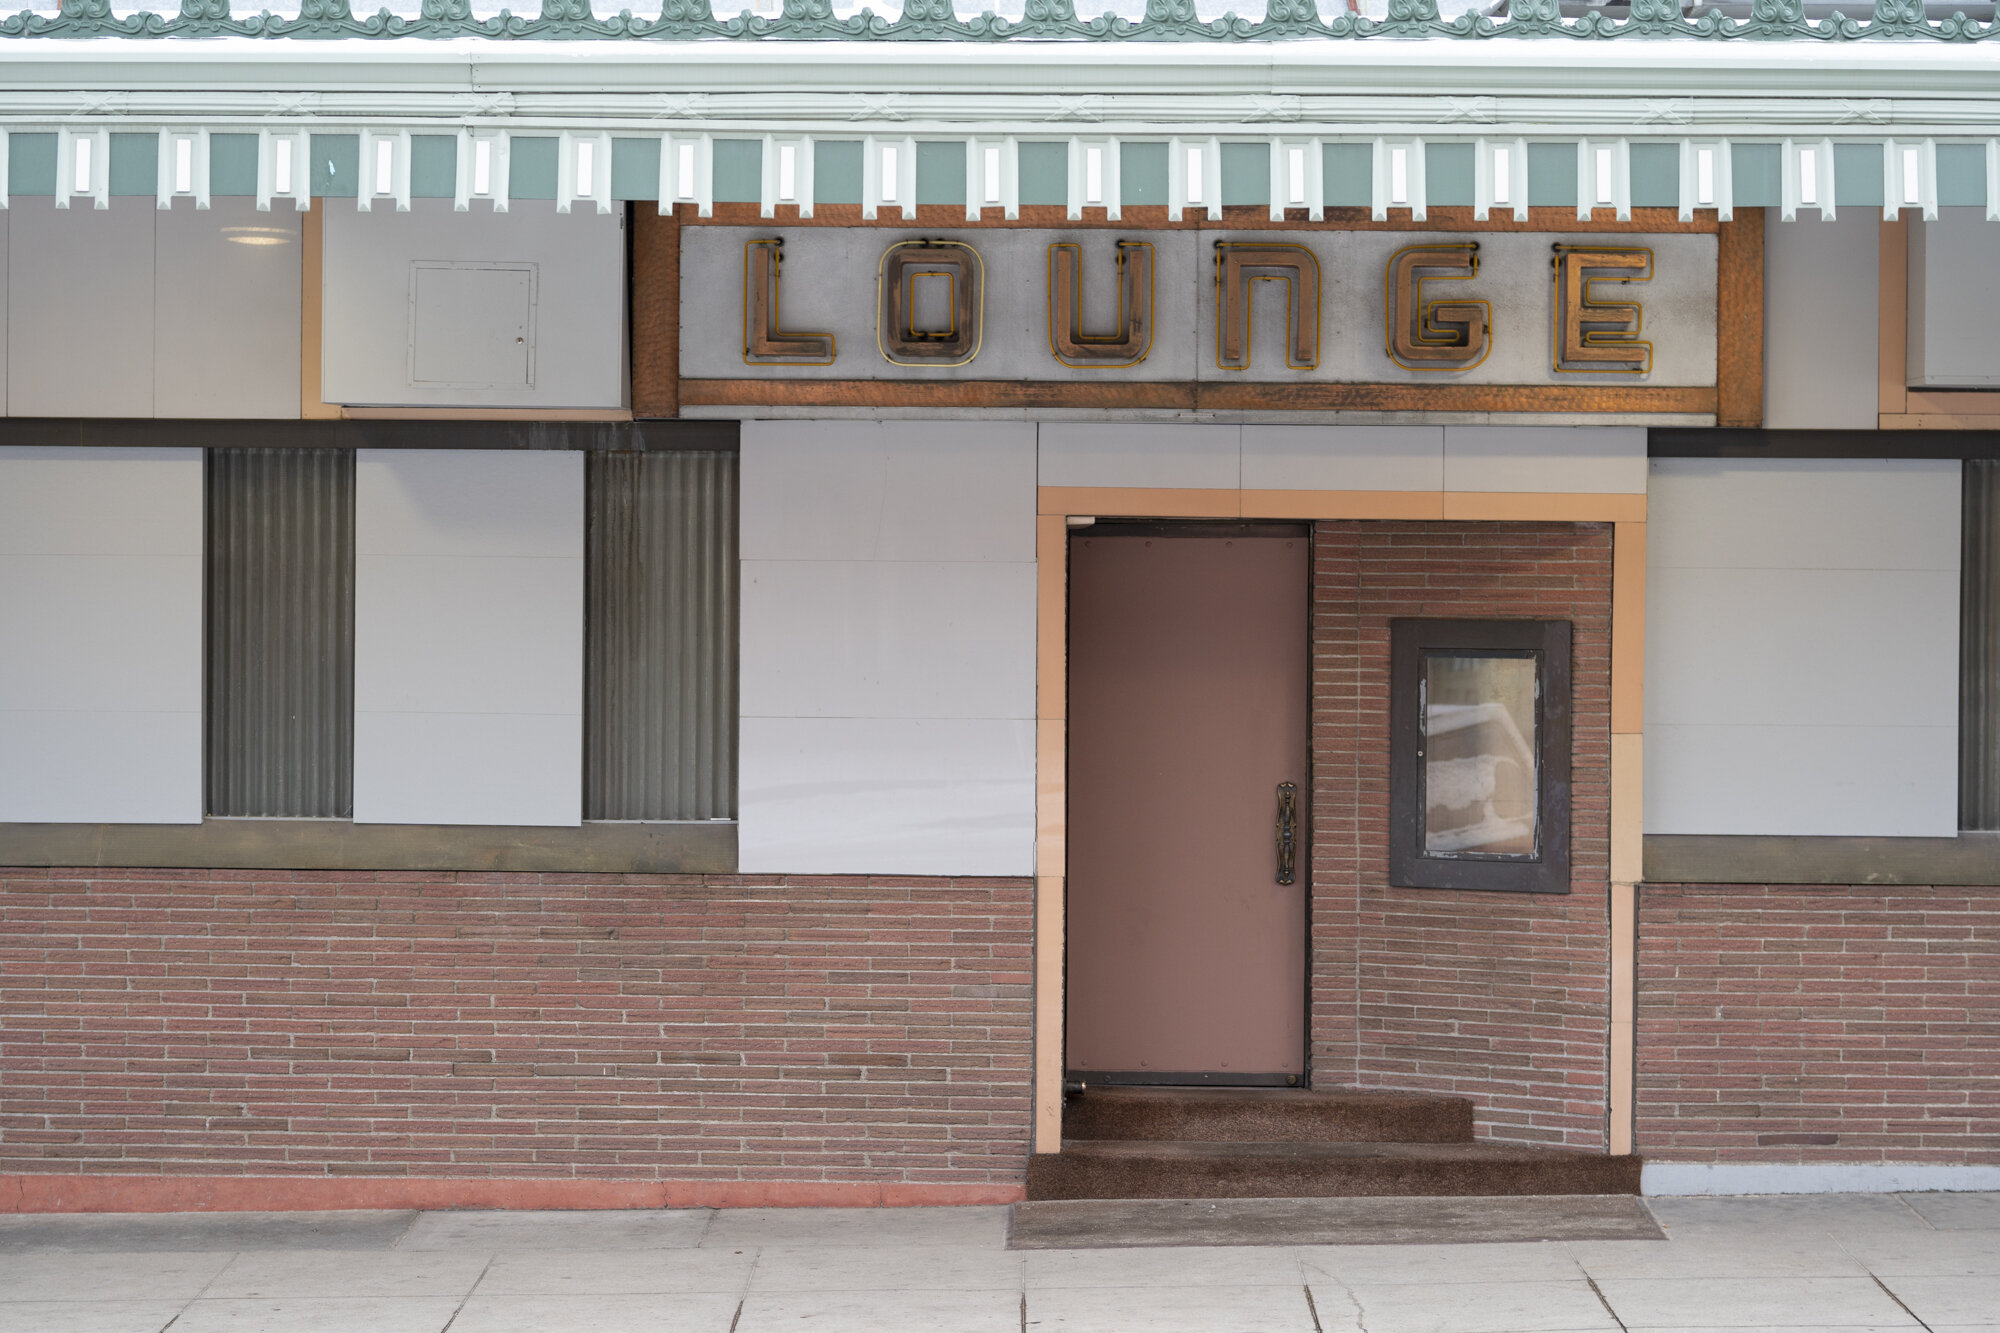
<point x="718" y="1028"/>
<point x="1827" y="1024"/>
<point x="1499" y="997"/>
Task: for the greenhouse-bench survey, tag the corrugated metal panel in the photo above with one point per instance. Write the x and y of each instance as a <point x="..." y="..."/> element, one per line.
<point x="1979" y="649"/>
<point x="660" y="626"/>
<point x="281" y="632"/>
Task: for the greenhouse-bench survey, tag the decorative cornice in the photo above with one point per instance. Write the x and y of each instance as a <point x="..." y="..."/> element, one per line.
<point x="1043" y="20"/>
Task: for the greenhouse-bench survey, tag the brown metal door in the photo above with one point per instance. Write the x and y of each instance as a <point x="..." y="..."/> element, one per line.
<point x="1188" y="700"/>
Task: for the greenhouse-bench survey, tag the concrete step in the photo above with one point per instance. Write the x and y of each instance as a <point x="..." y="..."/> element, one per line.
<point x="1129" y="1169"/>
<point x="1270" y="1115"/>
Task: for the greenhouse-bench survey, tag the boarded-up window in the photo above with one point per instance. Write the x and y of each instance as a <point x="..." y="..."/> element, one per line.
<point x="280" y="558"/>
<point x="660" y="629"/>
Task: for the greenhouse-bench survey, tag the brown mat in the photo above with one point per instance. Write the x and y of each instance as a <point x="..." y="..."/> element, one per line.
<point x="1090" y="1224"/>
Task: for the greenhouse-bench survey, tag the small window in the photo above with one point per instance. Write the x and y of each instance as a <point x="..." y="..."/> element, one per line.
<point x="1479" y="723"/>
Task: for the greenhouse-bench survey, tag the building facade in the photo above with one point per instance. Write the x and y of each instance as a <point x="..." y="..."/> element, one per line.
<point x="614" y="612"/>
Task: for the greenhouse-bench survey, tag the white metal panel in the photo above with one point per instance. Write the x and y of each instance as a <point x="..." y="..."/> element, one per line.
<point x="1820" y="323"/>
<point x="888" y="609"/>
<point x="576" y="337"/>
<point x="1804" y="513"/>
<point x="888" y="490"/>
<point x="468" y="637"/>
<point x="1802" y="648"/>
<point x="1954" y="322"/>
<point x="101" y="596"/>
<point x="143" y="502"/>
<point x="1802" y="781"/>
<point x="1599" y="460"/>
<point x="1807" y="647"/>
<point x="5" y="213"/>
<point x="226" y="311"/>
<point x="80" y="310"/>
<point x="449" y="502"/>
<point x="1169" y="456"/>
<point x="827" y="638"/>
<point x="1343" y="458"/>
<point x="916" y="796"/>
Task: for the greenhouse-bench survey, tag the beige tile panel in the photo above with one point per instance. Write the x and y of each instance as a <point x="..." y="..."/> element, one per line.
<point x="1049" y="917"/>
<point x="1051" y="616"/>
<point x="1140" y="502"/>
<point x="1343" y="504"/>
<point x="1628" y="628"/>
<point x="1628" y="768"/>
<point x="1543" y="507"/>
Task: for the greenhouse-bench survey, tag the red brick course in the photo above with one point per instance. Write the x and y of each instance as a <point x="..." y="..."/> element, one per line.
<point x="1500" y="997"/>
<point x="1819" y="1024"/>
<point x="868" y="1031"/>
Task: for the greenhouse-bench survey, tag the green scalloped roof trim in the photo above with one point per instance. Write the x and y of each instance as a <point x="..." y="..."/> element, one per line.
<point x="1044" y="20"/>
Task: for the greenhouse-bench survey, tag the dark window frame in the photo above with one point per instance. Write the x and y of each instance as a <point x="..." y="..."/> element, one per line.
<point x="1409" y="866"/>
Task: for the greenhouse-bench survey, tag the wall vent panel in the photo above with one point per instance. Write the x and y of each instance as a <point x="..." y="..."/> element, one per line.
<point x="280" y="706"/>
<point x="660" y="683"/>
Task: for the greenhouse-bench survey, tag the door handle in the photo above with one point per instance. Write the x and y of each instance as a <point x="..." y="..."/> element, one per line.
<point x="1288" y="832"/>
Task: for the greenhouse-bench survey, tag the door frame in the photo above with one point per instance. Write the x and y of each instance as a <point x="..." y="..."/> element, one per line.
<point x="1055" y="505"/>
<point x="1210" y="528"/>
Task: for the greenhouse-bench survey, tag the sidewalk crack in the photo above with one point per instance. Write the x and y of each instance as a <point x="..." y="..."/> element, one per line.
<point x="459" y="1309"/>
<point x="1598" y="1292"/>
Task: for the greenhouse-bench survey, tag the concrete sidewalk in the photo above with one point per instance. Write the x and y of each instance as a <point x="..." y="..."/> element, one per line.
<point x="1859" y="1262"/>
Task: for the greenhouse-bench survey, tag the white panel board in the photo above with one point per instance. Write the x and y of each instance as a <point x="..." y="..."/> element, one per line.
<point x="1803" y="781"/>
<point x="837" y="638"/>
<point x="888" y="658"/>
<point x="888" y="490"/>
<point x="1805" y="513"/>
<point x="912" y="796"/>
<point x="374" y="327"/>
<point x="4" y="233"/>
<point x="1167" y="456"/>
<point x="80" y="309"/>
<point x="226" y="311"/>
<point x="101" y="603"/>
<point x="1343" y="458"/>
<point x="1821" y="318"/>
<point x="1594" y="460"/>
<point x="468" y="637"/>
<point x="1810" y="647"/>
<point x="1954" y="321"/>
<point x="1802" y="648"/>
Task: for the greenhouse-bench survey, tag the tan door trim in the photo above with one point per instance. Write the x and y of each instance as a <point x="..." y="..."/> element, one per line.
<point x="1628" y="657"/>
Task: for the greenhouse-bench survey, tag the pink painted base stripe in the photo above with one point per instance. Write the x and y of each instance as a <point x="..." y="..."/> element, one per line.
<point x="218" y="1194"/>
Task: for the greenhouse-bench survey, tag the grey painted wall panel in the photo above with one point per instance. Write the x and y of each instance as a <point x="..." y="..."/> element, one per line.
<point x="1954" y="323"/>
<point x="280" y="689"/>
<point x="4" y="234"/>
<point x="1606" y="460"/>
<point x="226" y="314"/>
<point x="578" y="263"/>
<point x="80" y="310"/>
<point x="1802" y="648"/>
<point x="1821" y="315"/>
<point x="101" y="597"/>
<point x="660" y="657"/>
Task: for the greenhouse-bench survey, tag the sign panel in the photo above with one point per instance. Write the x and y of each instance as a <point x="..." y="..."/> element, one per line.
<point x="1489" y="309"/>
